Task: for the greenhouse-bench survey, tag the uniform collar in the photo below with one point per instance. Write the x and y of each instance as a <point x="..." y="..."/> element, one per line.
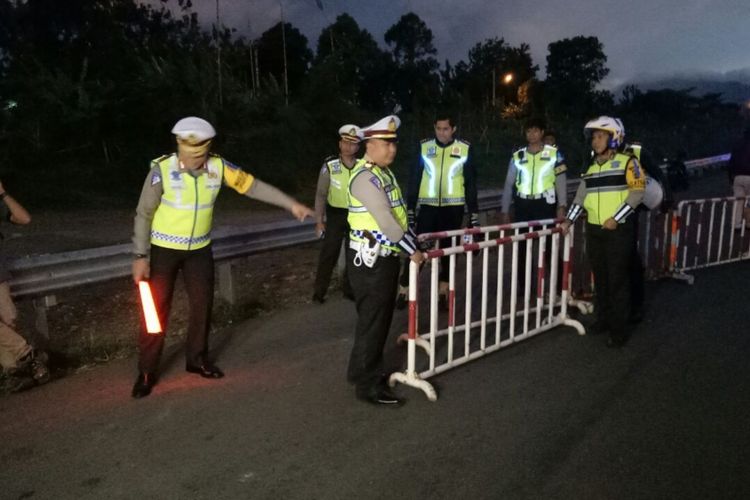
<point x="446" y="144"/>
<point x="195" y="173"/>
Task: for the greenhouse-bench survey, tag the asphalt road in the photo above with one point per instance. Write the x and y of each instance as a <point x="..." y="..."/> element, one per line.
<point x="557" y="416"/>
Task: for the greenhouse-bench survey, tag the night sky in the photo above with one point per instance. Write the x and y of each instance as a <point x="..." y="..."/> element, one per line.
<point x="643" y="39"/>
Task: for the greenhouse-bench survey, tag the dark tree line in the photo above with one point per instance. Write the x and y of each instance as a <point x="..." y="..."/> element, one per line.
<point x="90" y="88"/>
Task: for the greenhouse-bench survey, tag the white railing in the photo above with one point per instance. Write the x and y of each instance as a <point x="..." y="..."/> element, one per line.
<point x="515" y="314"/>
<point x="704" y="235"/>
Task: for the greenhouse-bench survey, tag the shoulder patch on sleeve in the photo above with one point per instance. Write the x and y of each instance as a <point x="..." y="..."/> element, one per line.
<point x="155" y="178"/>
<point x="376" y="182"/>
<point x="230" y="165"/>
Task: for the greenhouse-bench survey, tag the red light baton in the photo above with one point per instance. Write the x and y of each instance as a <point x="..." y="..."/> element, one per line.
<point x="153" y="325"/>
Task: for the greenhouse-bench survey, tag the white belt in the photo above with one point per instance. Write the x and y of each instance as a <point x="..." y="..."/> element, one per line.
<point x="359" y="245"/>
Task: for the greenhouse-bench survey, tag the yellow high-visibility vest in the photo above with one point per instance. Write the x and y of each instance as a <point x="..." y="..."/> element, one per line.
<point x="183" y="219"/>
<point x="338" y="186"/>
<point x="443" y="175"/>
<point x="607" y="187"/>
<point x="535" y="172"/>
<point x="361" y="221"/>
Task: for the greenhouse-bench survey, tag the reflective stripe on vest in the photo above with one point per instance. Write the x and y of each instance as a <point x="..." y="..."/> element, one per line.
<point x="360" y="220"/>
<point x="535" y="173"/>
<point x="182" y="220"/>
<point x="443" y="174"/>
<point x="606" y="188"/>
<point x="338" y="187"/>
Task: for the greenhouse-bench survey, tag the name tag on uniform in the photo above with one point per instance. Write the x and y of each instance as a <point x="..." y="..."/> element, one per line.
<point x="456" y="152"/>
<point x="545" y="155"/>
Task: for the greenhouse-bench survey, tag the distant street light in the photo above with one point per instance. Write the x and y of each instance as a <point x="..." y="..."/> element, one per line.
<point x="508" y="78"/>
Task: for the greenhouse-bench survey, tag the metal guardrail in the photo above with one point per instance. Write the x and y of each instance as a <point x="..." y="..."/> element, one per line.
<point x="47" y="274"/>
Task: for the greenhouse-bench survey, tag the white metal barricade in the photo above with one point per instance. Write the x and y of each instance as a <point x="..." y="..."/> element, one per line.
<point x="704" y="235"/>
<point x="514" y="314"/>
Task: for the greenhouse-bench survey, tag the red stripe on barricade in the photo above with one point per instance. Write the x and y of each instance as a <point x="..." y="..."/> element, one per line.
<point x="451" y="307"/>
<point x="675" y="241"/>
<point x="412" y="319"/>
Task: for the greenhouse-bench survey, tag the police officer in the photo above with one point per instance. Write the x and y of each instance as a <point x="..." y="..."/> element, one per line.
<point x="379" y="233"/>
<point x="537" y="177"/>
<point x="610" y="190"/>
<point x="538" y="173"/>
<point x="441" y="183"/>
<point x="656" y="194"/>
<point x="172" y="233"/>
<point x="332" y="200"/>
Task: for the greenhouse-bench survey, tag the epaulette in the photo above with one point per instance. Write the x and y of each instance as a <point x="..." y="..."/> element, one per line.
<point x="214" y="155"/>
<point x="427" y="140"/>
<point x="160" y="159"/>
<point x="521" y="152"/>
<point x="464" y="141"/>
<point x="330" y="158"/>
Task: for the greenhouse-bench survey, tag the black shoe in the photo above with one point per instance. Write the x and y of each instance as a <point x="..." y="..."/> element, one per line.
<point x="318" y="298"/>
<point x="206" y="370"/>
<point x="597" y="328"/>
<point x="143" y="385"/>
<point x="442" y="302"/>
<point x="401" y="301"/>
<point x="19" y="383"/>
<point x="380" y="396"/>
<point x="636" y="316"/>
<point x="617" y="341"/>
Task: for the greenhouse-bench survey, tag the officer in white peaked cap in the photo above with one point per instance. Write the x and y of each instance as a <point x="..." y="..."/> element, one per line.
<point x="172" y="233"/>
<point x="331" y="210"/>
<point x="379" y="234"/>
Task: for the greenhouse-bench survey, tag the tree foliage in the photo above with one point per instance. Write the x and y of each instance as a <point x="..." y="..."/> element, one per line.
<point x="90" y="88"/>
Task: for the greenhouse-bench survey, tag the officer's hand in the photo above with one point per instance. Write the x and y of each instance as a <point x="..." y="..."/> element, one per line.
<point x="610" y="224"/>
<point x="320" y="229"/>
<point x="565" y="225"/>
<point x="301" y="212"/>
<point x="561" y="212"/>
<point x="504" y="218"/>
<point x="474" y="220"/>
<point x="141" y="270"/>
<point x="417" y="257"/>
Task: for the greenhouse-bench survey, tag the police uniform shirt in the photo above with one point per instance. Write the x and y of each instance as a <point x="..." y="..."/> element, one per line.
<point x="561" y="180"/>
<point x="234" y="177"/>
<point x="366" y="188"/>
<point x="324" y="184"/>
<point x="636" y="183"/>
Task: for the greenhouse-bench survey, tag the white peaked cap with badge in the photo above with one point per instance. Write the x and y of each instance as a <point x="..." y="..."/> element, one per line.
<point x="351" y="133"/>
<point x="385" y="128"/>
<point x="194" y="129"/>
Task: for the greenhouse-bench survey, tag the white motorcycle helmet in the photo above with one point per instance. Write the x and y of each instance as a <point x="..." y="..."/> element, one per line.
<point x="609" y="124"/>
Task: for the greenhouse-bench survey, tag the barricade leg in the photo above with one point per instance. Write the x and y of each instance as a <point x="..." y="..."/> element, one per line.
<point x="584" y="307"/>
<point x="410" y="377"/>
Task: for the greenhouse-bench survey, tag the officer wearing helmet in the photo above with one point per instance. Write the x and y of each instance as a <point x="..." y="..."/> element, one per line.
<point x="172" y="233"/>
<point x="332" y="209"/>
<point x="379" y="234"/>
<point x="610" y="190"/>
